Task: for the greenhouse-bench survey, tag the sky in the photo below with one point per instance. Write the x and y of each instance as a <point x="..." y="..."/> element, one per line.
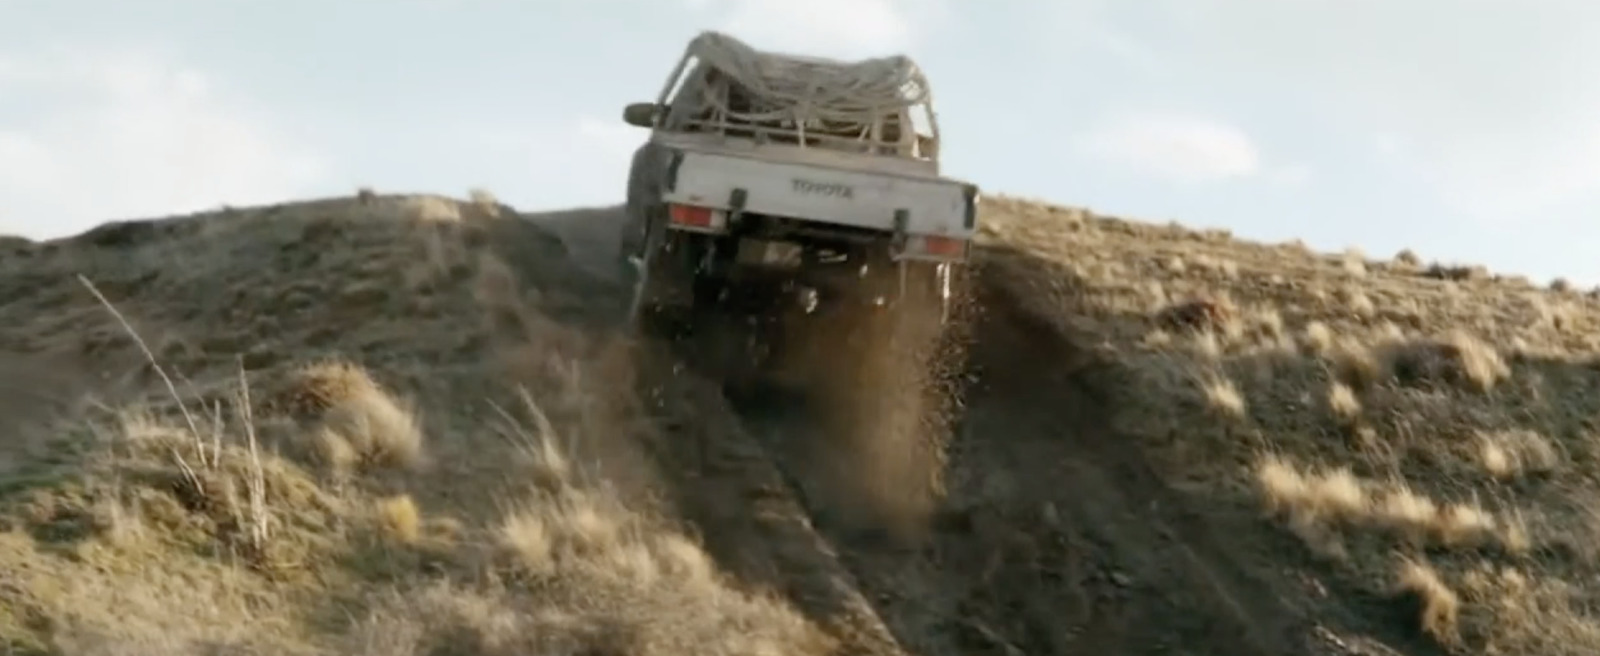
<point x="1465" y="130"/>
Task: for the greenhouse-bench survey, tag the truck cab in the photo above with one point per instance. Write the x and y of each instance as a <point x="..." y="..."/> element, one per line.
<point x="811" y="171"/>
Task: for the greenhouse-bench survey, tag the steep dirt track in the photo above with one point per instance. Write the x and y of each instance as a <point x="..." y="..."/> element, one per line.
<point x="720" y="478"/>
<point x="1057" y="538"/>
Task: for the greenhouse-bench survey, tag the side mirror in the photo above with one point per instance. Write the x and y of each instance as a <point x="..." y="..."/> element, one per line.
<point x="641" y="115"/>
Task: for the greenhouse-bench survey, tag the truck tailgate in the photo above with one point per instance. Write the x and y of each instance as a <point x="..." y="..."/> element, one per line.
<point x="932" y="206"/>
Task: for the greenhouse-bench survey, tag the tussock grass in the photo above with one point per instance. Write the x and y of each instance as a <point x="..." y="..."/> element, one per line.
<point x="1342" y="402"/>
<point x="1449" y="411"/>
<point x="579" y="570"/>
<point x="1223" y="397"/>
<point x="1439" y="607"/>
<point x="356" y="421"/>
<point x="400" y="519"/>
<point x="1320" y="503"/>
<point x="276" y="497"/>
<point x="1509" y="454"/>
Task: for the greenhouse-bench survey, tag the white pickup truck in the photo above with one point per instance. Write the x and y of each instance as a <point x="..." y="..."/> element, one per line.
<point x="820" y="176"/>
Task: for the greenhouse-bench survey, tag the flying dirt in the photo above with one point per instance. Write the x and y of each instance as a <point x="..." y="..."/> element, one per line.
<point x="411" y="424"/>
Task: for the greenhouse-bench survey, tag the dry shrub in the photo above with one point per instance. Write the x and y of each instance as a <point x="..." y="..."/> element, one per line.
<point x="1439" y="609"/>
<point x="1356" y="364"/>
<point x="1356" y="301"/>
<point x="1463" y="525"/>
<point x="1406" y="513"/>
<point x="442" y="618"/>
<point x="1457" y="272"/>
<point x="432" y="209"/>
<point x="1223" y="396"/>
<point x="1512" y="613"/>
<point x="1342" y="402"/>
<point x="485" y="201"/>
<point x="357" y="420"/>
<point x="399" y="518"/>
<point x="1457" y="358"/>
<point x="1480" y="364"/>
<point x="1514" y="535"/>
<point x="1512" y="453"/>
<point x="1355" y="262"/>
<point x="333" y="451"/>
<point x="1206" y="314"/>
<point x="1317" y="504"/>
<point x="1318" y="337"/>
<point x="215" y="494"/>
<point x="584" y="573"/>
<point x="1266" y="324"/>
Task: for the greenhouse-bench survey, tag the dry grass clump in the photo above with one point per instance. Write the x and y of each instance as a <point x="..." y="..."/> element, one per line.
<point x="1457" y="358"/>
<point x="1476" y="363"/>
<point x="1342" y="402"/>
<point x="1357" y="365"/>
<point x="485" y="201"/>
<point x="1223" y="396"/>
<point x="580" y="572"/>
<point x="1318" y="338"/>
<point x="254" y="504"/>
<point x="1406" y="512"/>
<point x="433" y="209"/>
<point x="357" y="421"/>
<point x="1318" y="504"/>
<point x="174" y="542"/>
<point x="1354" y="262"/>
<point x="400" y="519"/>
<point x="1439" y="608"/>
<point x="1513" y="612"/>
<point x="1512" y="453"/>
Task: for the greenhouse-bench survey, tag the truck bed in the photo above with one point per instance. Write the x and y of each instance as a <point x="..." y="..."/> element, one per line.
<point x="850" y="197"/>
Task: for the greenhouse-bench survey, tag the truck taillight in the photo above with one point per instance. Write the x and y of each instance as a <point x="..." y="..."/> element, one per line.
<point x="690" y="216"/>
<point x="940" y="246"/>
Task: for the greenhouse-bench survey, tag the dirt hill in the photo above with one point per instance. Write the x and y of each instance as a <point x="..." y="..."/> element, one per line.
<point x="412" y="425"/>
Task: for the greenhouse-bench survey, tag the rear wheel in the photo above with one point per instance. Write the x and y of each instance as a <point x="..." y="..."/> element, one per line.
<point x="663" y="284"/>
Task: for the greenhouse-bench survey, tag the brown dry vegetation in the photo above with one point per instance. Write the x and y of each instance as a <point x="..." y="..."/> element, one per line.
<point x="403" y="425"/>
<point x="376" y="442"/>
<point x="1431" y="425"/>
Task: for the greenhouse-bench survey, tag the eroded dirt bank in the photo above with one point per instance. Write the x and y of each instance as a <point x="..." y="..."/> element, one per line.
<point x="1055" y="536"/>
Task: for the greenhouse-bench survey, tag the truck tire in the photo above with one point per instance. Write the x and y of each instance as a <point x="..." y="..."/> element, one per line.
<point x="663" y="289"/>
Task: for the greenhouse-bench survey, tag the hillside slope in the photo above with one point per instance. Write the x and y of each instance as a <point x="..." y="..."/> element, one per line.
<point x="1166" y="442"/>
<point x="1421" y="433"/>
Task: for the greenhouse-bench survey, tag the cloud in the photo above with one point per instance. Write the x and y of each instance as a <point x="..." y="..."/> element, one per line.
<point x="613" y="140"/>
<point x="1095" y="28"/>
<point x="1503" y="131"/>
<point x="837" y="28"/>
<point x="1177" y="148"/>
<point x="556" y="162"/>
<point x="110" y="135"/>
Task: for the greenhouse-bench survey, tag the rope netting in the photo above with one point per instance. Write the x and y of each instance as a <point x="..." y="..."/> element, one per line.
<point x="803" y="89"/>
